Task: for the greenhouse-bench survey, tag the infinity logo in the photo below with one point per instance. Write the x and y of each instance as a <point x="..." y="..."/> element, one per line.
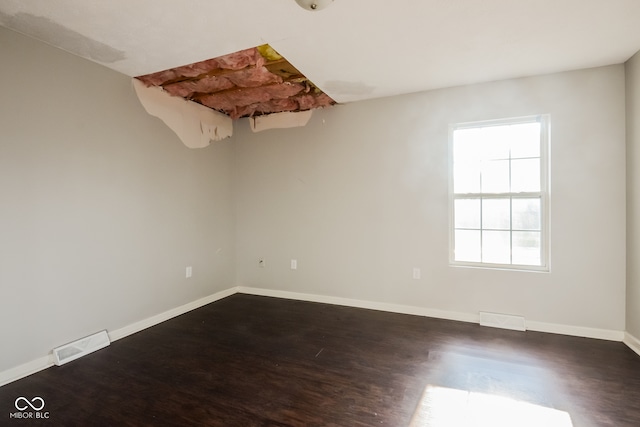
<point x="31" y="404"/>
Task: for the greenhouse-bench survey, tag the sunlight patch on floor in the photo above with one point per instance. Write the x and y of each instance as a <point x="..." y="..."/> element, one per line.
<point x="446" y="407"/>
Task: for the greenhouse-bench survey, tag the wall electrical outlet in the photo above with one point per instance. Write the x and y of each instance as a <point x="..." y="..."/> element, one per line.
<point x="261" y="263"/>
<point x="416" y="273"/>
<point x="188" y="272"/>
<point x="294" y="264"/>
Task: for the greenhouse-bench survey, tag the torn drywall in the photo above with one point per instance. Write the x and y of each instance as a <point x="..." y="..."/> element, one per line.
<point x="195" y="125"/>
<point x="280" y="120"/>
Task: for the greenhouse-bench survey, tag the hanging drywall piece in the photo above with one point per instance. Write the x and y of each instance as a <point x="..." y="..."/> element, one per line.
<point x="280" y="120"/>
<point x="195" y="124"/>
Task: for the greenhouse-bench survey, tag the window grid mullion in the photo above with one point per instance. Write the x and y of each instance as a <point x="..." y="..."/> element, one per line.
<point x="510" y="212"/>
<point x="510" y="229"/>
<point x="528" y="195"/>
<point x="481" y="224"/>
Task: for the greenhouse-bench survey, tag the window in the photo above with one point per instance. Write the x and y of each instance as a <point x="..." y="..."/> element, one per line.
<point x="499" y="193"/>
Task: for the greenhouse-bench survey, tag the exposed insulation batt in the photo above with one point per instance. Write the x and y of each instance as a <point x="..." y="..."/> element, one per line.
<point x="256" y="81"/>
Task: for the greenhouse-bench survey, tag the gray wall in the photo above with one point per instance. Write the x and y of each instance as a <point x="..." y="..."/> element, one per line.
<point x="102" y="207"/>
<point x="632" y="68"/>
<point x="360" y="197"/>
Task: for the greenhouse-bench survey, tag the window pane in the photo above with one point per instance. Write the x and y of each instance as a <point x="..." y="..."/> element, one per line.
<point x="496" y="214"/>
<point x="526" y="248"/>
<point x="495" y="142"/>
<point x="525" y="175"/>
<point x="466" y="177"/>
<point x="526" y="214"/>
<point x="525" y="140"/>
<point x="496" y="247"/>
<point x="466" y="144"/>
<point x="467" y="213"/>
<point x="495" y="176"/>
<point x="467" y="245"/>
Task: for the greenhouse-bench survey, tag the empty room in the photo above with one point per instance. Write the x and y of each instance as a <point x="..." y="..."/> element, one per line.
<point x="320" y="213"/>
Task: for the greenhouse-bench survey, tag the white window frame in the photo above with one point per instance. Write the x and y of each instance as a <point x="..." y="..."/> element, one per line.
<point x="544" y="120"/>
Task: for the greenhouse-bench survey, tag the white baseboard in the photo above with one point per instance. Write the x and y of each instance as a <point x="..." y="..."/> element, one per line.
<point x="26" y="369"/>
<point x="169" y="314"/>
<point x="576" y="331"/>
<point x="21" y="371"/>
<point x="632" y="342"/>
<point x="604" y="334"/>
<point x="372" y="305"/>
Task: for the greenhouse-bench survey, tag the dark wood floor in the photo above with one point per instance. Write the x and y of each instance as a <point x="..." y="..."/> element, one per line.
<point x="257" y="361"/>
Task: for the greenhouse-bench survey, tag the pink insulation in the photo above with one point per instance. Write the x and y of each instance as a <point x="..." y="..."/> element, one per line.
<point x="157" y="79"/>
<point x="240" y="60"/>
<point x="308" y="102"/>
<point x="206" y="85"/>
<point x="254" y="77"/>
<point x="239" y="85"/>
<point x="197" y="69"/>
<point x="228" y="99"/>
<point x="295" y="103"/>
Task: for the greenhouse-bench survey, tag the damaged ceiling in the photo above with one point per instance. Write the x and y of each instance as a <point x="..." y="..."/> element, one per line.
<point x="354" y="49"/>
<point x="251" y="82"/>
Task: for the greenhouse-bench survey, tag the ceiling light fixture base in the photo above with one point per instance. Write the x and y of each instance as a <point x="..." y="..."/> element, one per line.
<point x="313" y="5"/>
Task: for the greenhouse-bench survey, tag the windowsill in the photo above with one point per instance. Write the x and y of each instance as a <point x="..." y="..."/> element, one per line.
<point x="499" y="267"/>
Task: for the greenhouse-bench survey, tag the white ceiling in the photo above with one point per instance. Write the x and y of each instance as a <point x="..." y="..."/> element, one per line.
<point x="354" y="49"/>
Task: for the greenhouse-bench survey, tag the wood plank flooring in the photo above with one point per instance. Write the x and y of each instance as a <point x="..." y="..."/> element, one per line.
<point x="258" y="361"/>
